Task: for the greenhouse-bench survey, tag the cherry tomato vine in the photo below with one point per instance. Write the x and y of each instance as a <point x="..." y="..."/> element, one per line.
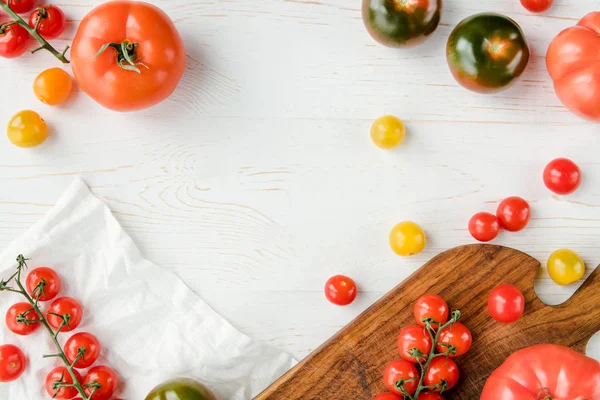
<point x="85" y="391"/>
<point x="33" y="31"/>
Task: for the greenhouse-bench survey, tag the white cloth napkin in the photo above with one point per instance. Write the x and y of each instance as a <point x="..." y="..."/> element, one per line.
<point x="151" y="326"/>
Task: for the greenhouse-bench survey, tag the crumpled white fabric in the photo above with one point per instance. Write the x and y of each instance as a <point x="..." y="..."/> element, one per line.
<point x="151" y="326"/>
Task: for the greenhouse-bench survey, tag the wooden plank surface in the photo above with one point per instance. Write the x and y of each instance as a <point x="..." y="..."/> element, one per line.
<point x="257" y="181"/>
<point x="351" y="363"/>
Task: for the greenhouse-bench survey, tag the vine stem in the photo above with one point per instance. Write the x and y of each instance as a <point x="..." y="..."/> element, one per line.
<point x="34" y="32"/>
<point x="53" y="335"/>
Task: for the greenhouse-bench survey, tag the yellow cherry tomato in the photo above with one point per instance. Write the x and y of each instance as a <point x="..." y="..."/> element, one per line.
<point x="27" y="129"/>
<point x="407" y="238"/>
<point x="387" y="132"/>
<point x="53" y="86"/>
<point x="565" y="267"/>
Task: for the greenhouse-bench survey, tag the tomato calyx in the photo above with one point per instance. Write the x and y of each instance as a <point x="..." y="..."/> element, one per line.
<point x="127" y="58"/>
<point x="22" y="318"/>
<point x="544" y="392"/>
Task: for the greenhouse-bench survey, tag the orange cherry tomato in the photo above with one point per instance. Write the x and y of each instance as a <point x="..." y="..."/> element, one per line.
<point x="135" y="61"/>
<point x="53" y="86"/>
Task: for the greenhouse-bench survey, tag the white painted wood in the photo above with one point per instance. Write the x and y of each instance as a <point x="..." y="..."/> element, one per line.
<point x="256" y="180"/>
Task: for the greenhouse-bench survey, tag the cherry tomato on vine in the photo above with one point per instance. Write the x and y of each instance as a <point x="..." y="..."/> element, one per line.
<point x="407" y="239"/>
<point x="14" y="40"/>
<point x="106" y="377"/>
<point x="442" y="369"/>
<point x="431" y="306"/>
<point x="340" y="290"/>
<point x="565" y="267"/>
<point x="64" y="306"/>
<point x="537" y="5"/>
<point x="412" y="338"/>
<point x="48" y="275"/>
<point x="388" y="396"/>
<point x="401" y="369"/>
<point x="430" y="396"/>
<point x="562" y="176"/>
<point x="484" y="226"/>
<point x="21" y="6"/>
<point x="12" y="363"/>
<point x="506" y="303"/>
<point x="387" y="132"/>
<point x="61" y="374"/>
<point x="53" y="86"/>
<point x="22" y="327"/>
<point x="513" y="213"/>
<point x="52" y="21"/>
<point x="456" y="335"/>
<point x="85" y="341"/>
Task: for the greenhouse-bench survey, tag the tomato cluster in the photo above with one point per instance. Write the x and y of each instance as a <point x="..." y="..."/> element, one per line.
<point x="81" y="350"/>
<point x="427" y="350"/>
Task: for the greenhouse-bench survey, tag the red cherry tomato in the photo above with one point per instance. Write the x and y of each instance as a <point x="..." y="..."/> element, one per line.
<point x="12" y="363"/>
<point x="431" y="306"/>
<point x="103" y="376"/>
<point x="562" y="176"/>
<point x="506" y="303"/>
<point x="21" y="318"/>
<point x="484" y="226"/>
<point x="414" y="338"/>
<point x="65" y="306"/>
<point x="53" y="21"/>
<point x="456" y="335"/>
<point x="442" y="370"/>
<point x="14" y="40"/>
<point x="401" y="369"/>
<point x="61" y="374"/>
<point x="21" y="6"/>
<point x="340" y="290"/>
<point x="537" y="5"/>
<point x="388" y="396"/>
<point x="52" y="287"/>
<point x="88" y="343"/>
<point x="513" y="214"/>
<point x="430" y="396"/>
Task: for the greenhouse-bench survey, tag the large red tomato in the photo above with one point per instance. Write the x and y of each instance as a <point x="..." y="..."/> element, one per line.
<point x="127" y="55"/>
<point x="573" y="62"/>
<point x="544" y="371"/>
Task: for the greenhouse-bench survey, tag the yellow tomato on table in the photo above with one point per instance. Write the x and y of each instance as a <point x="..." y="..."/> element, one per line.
<point x="53" y="86"/>
<point x="27" y="129"/>
<point x="565" y="267"/>
<point x="387" y="132"/>
<point x="407" y="238"/>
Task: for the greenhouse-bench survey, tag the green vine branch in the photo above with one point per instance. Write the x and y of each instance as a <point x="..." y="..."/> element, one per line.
<point x="44" y="45"/>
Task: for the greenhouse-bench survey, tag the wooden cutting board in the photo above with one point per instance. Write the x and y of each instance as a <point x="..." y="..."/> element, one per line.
<point x="349" y="366"/>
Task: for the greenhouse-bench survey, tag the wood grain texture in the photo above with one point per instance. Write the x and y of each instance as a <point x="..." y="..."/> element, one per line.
<point x="351" y="363"/>
<point x="256" y="181"/>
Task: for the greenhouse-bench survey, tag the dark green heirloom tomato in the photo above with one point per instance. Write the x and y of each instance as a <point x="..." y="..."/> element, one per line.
<point x="486" y="52"/>
<point x="181" y="389"/>
<point x="401" y="23"/>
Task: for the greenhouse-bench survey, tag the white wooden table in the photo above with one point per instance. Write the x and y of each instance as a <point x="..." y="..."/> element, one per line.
<point x="256" y="180"/>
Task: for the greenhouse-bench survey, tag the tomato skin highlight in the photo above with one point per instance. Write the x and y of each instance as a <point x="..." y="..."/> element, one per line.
<point x="401" y="369"/>
<point x="565" y="267"/>
<point x="484" y="226"/>
<point x="487" y="52"/>
<point x="401" y="23"/>
<point x="572" y="64"/>
<point x="506" y="303"/>
<point x="566" y="374"/>
<point x="457" y="335"/>
<point x="89" y="343"/>
<point x="12" y="363"/>
<point x="55" y="376"/>
<point x="20" y="328"/>
<point x="562" y="176"/>
<point x="442" y="369"/>
<point x="431" y="306"/>
<point x="340" y="290"/>
<point x="104" y="376"/>
<point x="414" y="337"/>
<point x="513" y="214"/>
<point x="14" y="41"/>
<point x="159" y="47"/>
<point x="62" y="306"/>
<point x="53" y="21"/>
